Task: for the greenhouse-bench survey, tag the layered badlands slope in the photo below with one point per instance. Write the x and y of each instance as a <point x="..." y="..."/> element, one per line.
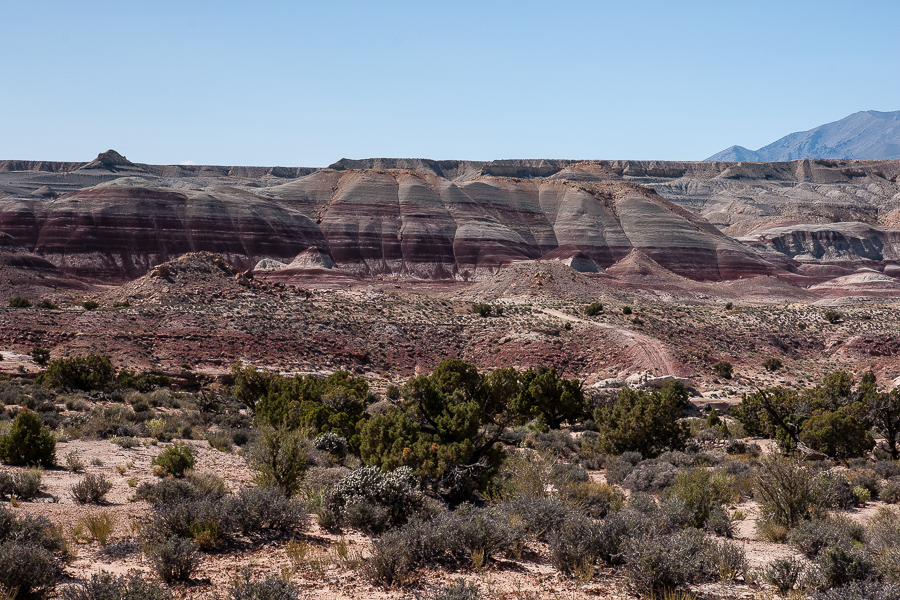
<point x="371" y="222"/>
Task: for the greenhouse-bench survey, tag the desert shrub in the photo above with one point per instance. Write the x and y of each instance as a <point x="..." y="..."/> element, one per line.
<point x="142" y="382"/>
<point x="651" y="476"/>
<point x="220" y="440"/>
<point x="642" y="422"/>
<point x="458" y="590"/>
<point x="396" y="496"/>
<point x="813" y="536"/>
<point x="574" y="544"/>
<point x="723" y="369"/>
<point x="31" y="549"/>
<point x="391" y="562"/>
<point x="784" y="574"/>
<point x="266" y="588"/>
<point x="92" y="489"/>
<point x="538" y="515"/>
<point x="27" y="568"/>
<point x="833" y="490"/>
<point x="175" y="459"/>
<point x="19" y="302"/>
<point x="28" y="442"/>
<point x="125" y="441"/>
<point x="626" y="310"/>
<point x="890" y="491"/>
<point x="865" y="478"/>
<point x="886" y="469"/>
<point x="88" y="373"/>
<point x="841" y="564"/>
<point x="257" y="509"/>
<point x="654" y="564"/>
<point x="27" y="483"/>
<point x="482" y="309"/>
<point x="772" y="364"/>
<point x="730" y="560"/>
<point x="786" y="491"/>
<point x="593" y="309"/>
<point x="832" y="316"/>
<point x="40" y="356"/>
<point x="47" y="304"/>
<point x="100" y="526"/>
<point x="836" y="434"/>
<point x="859" y="590"/>
<point x="884" y="529"/>
<point x="106" y="586"/>
<point x="702" y="493"/>
<point x="594" y="499"/>
<point x="469" y="529"/>
<point x="174" y="559"/>
<point x="332" y="443"/>
<point x="279" y="458"/>
<point x="618" y="468"/>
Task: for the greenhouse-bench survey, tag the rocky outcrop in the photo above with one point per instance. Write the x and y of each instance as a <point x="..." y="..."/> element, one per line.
<point x="830" y="242"/>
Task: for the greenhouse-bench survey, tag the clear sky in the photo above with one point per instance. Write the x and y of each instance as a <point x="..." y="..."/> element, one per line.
<point x="306" y="83"/>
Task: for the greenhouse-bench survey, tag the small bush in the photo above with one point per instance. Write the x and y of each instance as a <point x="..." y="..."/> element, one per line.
<point x="125" y="441"/>
<point x="332" y="443"/>
<point x="174" y="559"/>
<point x="27" y="483"/>
<point x="220" y="440"/>
<point x="74" y="462"/>
<point x="724" y="369"/>
<point x="626" y="310"/>
<point x="832" y="316"/>
<point x="28" y="443"/>
<point x="772" y="364"/>
<point x="19" y="302"/>
<point x="860" y="590"/>
<point x="92" y="372"/>
<point x="40" y="356"/>
<point x="482" y="309"/>
<point x="593" y="309"/>
<point x="27" y="568"/>
<point x="106" y="586"/>
<point x="47" y="304"/>
<point x="841" y="564"/>
<point x="574" y="543"/>
<point x="90" y="305"/>
<point x="813" y="536"/>
<point x="175" y="459"/>
<point x="92" y="489"/>
<point x="654" y="564"/>
<point x="786" y="491"/>
<point x="458" y="590"/>
<point x="267" y="588"/>
<point x="890" y="491"/>
<point x="100" y="526"/>
<point x="837" y="434"/>
<point x="702" y="493"/>
<point x="279" y="458"/>
<point x="396" y="494"/>
<point x="784" y="574"/>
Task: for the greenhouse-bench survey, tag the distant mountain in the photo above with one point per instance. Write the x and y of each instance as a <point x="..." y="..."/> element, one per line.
<point x="864" y="135"/>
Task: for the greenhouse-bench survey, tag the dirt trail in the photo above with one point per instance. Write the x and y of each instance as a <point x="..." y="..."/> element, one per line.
<point x="644" y="351"/>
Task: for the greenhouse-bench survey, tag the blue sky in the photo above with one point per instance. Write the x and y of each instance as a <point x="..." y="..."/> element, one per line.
<point x="306" y="83"/>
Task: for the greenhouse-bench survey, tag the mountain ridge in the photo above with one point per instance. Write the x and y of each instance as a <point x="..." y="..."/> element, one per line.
<point x="868" y="134"/>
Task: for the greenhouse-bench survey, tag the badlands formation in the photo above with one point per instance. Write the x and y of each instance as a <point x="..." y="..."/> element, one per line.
<point x="297" y="268"/>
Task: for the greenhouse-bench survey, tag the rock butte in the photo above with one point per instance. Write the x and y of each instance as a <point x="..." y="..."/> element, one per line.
<point x="804" y="222"/>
